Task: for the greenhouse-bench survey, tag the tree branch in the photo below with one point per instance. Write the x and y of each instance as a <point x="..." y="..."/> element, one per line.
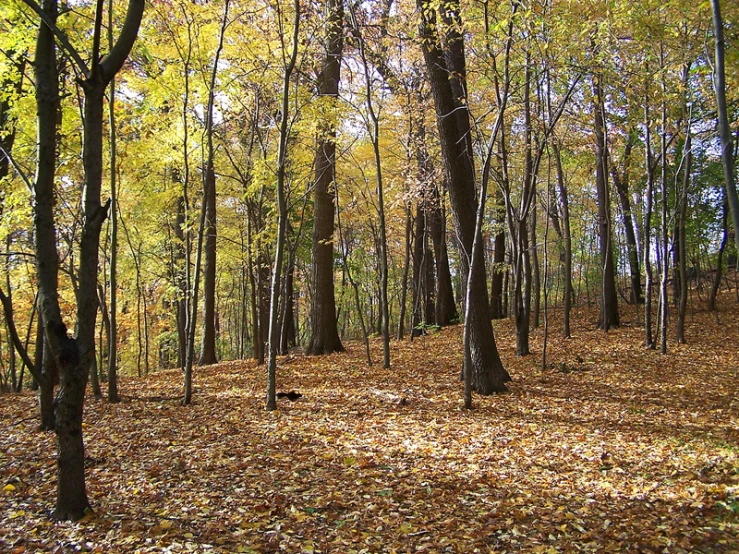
<point x="81" y="65"/>
<point x="115" y="59"/>
<point x="8" y="309"/>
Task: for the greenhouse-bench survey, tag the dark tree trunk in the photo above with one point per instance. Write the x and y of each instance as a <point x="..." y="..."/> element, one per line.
<point x="682" y="247"/>
<point x="720" y="256"/>
<point x="566" y="235"/>
<point x="445" y="308"/>
<point x="727" y="153"/>
<point x="208" y="343"/>
<point x="74" y="356"/>
<point x="608" y="317"/>
<point x="287" y="331"/>
<point x="496" y="285"/>
<point x="324" y="331"/>
<point x="621" y="182"/>
<point x="423" y="277"/>
<point x="406" y="268"/>
<point x="536" y="272"/>
<point x="487" y="372"/>
<point x="180" y="282"/>
<point x="647" y="227"/>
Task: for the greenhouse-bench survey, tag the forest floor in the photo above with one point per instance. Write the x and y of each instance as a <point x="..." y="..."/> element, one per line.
<point x="625" y="450"/>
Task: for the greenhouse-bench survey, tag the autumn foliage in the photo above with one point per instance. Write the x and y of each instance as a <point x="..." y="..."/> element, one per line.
<point x="611" y="447"/>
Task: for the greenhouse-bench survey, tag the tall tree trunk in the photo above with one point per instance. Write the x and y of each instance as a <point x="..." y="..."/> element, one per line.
<point x="373" y="124"/>
<point x="208" y="341"/>
<point x="445" y="306"/>
<point x="719" y="257"/>
<point x="567" y="239"/>
<point x="535" y="271"/>
<point x="324" y="331"/>
<point x="180" y="281"/>
<point x="406" y="267"/>
<point x="496" y="285"/>
<point x="647" y="227"/>
<point x="621" y="182"/>
<point x="487" y="374"/>
<point x="287" y="329"/>
<point x="273" y="339"/>
<point x="609" y="317"/>
<point x="663" y="239"/>
<point x="682" y="236"/>
<point x="727" y="153"/>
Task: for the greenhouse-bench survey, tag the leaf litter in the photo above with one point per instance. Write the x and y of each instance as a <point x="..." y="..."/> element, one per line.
<point x="610" y="448"/>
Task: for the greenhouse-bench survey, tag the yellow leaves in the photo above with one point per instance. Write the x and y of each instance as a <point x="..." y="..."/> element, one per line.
<point x="9" y="488"/>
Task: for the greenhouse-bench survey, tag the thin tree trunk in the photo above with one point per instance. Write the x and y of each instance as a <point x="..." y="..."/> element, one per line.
<point x="649" y="200"/>
<point x="406" y="266"/>
<point x="682" y="236"/>
<point x="719" y="258"/>
<point x="445" y="306"/>
<point x="374" y="129"/>
<point x="621" y="182"/>
<point x="273" y="339"/>
<point x="664" y="245"/>
<point x="566" y="333"/>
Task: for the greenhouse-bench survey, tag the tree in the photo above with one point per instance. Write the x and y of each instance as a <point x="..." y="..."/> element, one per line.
<point x="727" y="152"/>
<point x="273" y="341"/>
<point x="609" y="317"/>
<point x="72" y="356"/>
<point x="324" y="331"/>
<point x="487" y="374"/>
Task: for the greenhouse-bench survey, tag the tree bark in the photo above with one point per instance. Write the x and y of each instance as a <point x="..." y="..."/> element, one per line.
<point x="208" y="353"/>
<point x="719" y="258"/>
<point x="406" y="267"/>
<point x="727" y="152"/>
<point x="324" y="331"/>
<point x="609" y="317"/>
<point x="487" y="372"/>
<point x="273" y="338"/>
<point x="567" y="236"/>
<point x="621" y="182"/>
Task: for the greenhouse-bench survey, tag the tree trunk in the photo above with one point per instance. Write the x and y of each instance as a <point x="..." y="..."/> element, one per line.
<point x="727" y="153"/>
<point x="719" y="258"/>
<point x="406" y="267"/>
<point x="273" y="339"/>
<point x="496" y="285"/>
<point x="663" y="239"/>
<point x="487" y="372"/>
<point x="445" y="307"/>
<point x="180" y="282"/>
<point x="287" y="330"/>
<point x="324" y="331"/>
<point x="208" y="342"/>
<point x="567" y="236"/>
<point x="535" y="270"/>
<point x="649" y="200"/>
<point x="682" y="236"/>
<point x="621" y="182"/>
<point x="609" y="317"/>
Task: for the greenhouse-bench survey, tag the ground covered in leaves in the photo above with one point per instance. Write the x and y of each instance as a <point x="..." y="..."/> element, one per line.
<point x="610" y="448"/>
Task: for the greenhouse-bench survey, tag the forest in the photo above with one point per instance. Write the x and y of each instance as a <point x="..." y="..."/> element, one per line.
<point x="328" y="275"/>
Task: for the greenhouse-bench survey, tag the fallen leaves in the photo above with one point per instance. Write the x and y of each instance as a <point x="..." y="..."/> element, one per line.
<point x="631" y="450"/>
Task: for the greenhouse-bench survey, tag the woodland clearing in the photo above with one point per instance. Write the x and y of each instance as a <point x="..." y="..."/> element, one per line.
<point x="610" y="448"/>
